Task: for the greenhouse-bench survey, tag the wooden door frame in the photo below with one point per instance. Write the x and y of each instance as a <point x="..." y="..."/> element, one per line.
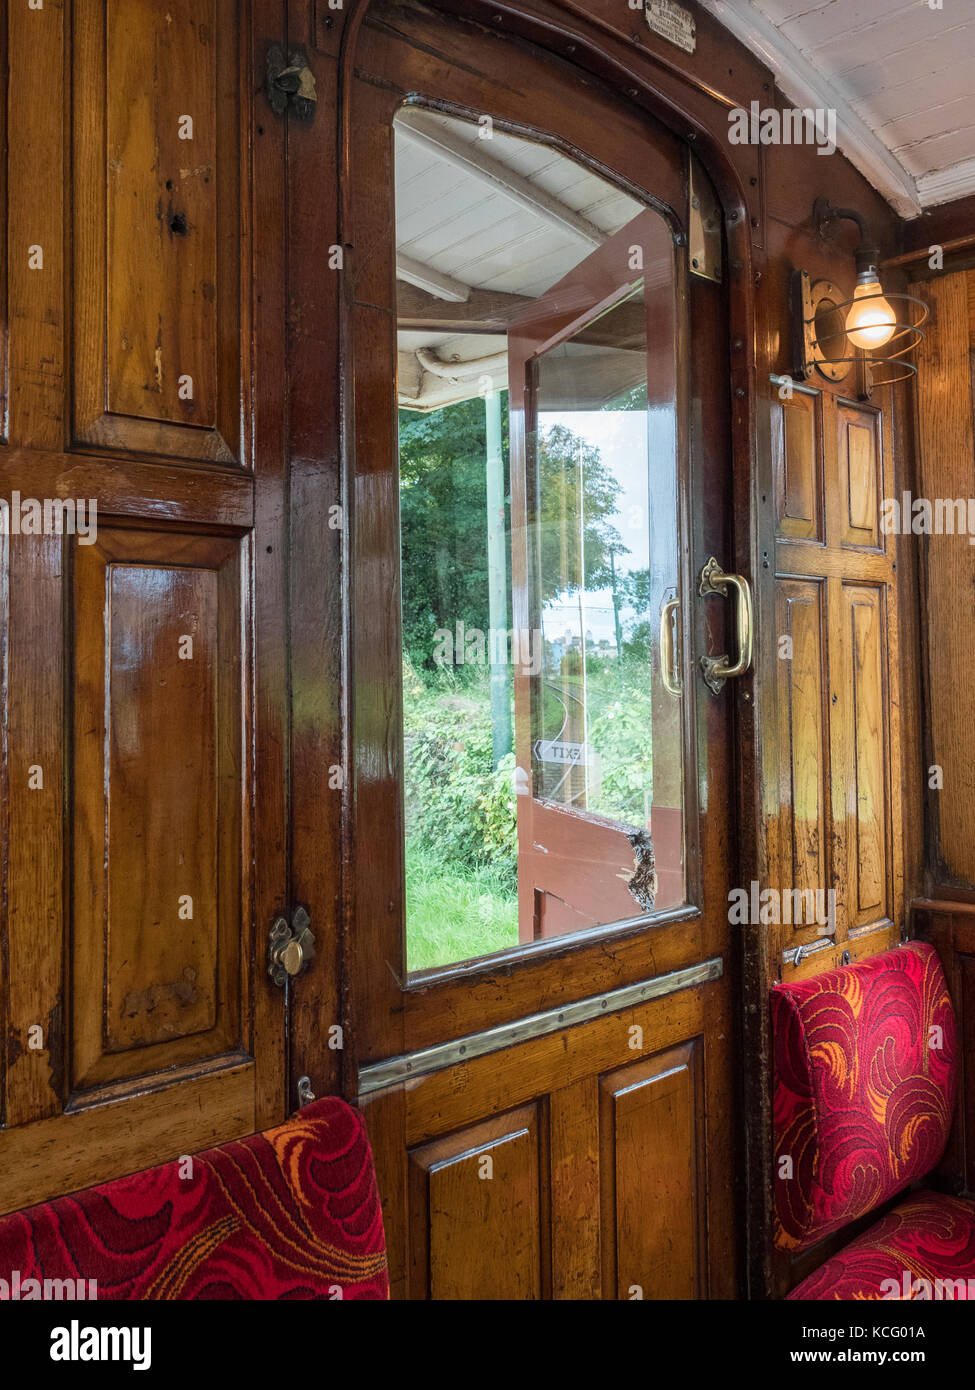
<point x="691" y="104"/>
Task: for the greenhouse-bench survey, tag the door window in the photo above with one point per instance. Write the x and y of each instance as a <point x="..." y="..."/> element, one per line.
<point x="542" y="715"/>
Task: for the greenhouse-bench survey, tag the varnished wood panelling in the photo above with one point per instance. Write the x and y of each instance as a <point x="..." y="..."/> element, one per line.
<point x="865" y="705"/>
<point x="797" y="461"/>
<point x="947" y="445"/>
<point x="860" y="482"/>
<point x="804" y="775"/>
<point x="156" y="210"/>
<point x="157" y="930"/>
<point x="838" y="706"/>
<point x="651" y="1174"/>
<point x="476" y="1211"/>
<point x="67" y="1152"/>
<point x="574" y="1185"/>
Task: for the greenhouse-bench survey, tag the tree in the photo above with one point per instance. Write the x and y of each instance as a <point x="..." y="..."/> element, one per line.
<point x="443" y="525"/>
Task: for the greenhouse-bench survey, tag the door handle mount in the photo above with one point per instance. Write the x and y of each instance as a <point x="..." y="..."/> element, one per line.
<point x="718" y="669"/>
<point x="290" y="949"/>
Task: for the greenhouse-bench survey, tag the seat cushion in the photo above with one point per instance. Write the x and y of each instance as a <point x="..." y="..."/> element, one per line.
<point x="291" y="1213"/>
<point x="865" y="1082"/>
<point x="924" y="1249"/>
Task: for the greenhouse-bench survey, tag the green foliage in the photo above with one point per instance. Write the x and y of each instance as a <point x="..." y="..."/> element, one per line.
<point x="443" y="522"/>
<point x="562" y="458"/>
<point x="459" y="807"/>
<point x="455" y="914"/>
<point x="443" y="519"/>
<point x="621" y="734"/>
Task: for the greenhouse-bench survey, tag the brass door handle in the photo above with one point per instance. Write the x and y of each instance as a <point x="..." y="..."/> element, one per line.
<point x="669" y="667"/>
<point x="718" y="669"/>
<point x="290" y="950"/>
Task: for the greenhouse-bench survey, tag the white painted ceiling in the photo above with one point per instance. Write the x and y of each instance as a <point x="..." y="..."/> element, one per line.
<point x="497" y="214"/>
<point x="900" y="74"/>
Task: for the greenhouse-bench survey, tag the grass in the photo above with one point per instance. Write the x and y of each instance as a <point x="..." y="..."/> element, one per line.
<point x="454" y="915"/>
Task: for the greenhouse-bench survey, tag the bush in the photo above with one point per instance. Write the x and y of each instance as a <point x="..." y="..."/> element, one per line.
<point x="458" y="805"/>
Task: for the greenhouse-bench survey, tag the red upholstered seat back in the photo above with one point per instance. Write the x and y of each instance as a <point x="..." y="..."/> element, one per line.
<point x="291" y="1213"/>
<point x="865" y="1081"/>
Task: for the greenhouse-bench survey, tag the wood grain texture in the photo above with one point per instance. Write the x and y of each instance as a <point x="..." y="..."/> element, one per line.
<point x="160" y="768"/>
<point x="159" y="315"/>
<point x="867" y="815"/>
<point x="840" y="712"/>
<point x="68" y="1152"/>
<point x="115" y="1058"/>
<point x="947" y="438"/>
<point x="652" y="1167"/>
<point x="860" y="478"/>
<point x="574" y="1187"/>
<point x="477" y="1212"/>
<point x="805" y="773"/>
<point x="798" y="466"/>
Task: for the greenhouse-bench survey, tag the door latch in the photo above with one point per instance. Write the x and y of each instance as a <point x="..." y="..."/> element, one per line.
<point x="290" y="949"/>
<point x="289" y="83"/>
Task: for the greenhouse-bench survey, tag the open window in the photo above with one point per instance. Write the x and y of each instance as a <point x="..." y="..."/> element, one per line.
<point x="540" y="544"/>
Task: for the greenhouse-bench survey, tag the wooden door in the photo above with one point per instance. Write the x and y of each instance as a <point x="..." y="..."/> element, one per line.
<point x="143" y="662"/>
<point x="554" y="1120"/>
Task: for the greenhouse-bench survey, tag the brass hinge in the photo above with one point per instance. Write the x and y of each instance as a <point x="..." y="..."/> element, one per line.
<point x="289" y="84"/>
<point x="290" y="950"/>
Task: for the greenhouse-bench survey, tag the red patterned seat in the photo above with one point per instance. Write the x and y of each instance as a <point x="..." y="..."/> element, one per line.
<point x="924" y="1249"/>
<point x="865" y="1084"/>
<point x="289" y="1214"/>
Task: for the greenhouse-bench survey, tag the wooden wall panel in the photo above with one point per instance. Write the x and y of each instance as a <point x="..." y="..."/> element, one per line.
<point x="798" y="467"/>
<point x="156" y="214"/>
<point x="947" y="446"/>
<point x="477" y="1214"/>
<point x="131" y="1033"/>
<point x="652" y="1172"/>
<point x="866" y="876"/>
<point x="804" y="768"/>
<point x="838" y="703"/>
<point x="610" y="1189"/>
<point x="860" y="482"/>
<point x="157" y="929"/>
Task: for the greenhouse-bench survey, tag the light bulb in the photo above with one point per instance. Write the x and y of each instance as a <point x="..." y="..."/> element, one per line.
<point x="871" y="321"/>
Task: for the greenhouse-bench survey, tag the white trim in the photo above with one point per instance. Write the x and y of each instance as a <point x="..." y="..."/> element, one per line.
<point x="801" y="82"/>
<point x="424" y="277"/>
<point x="945" y="185"/>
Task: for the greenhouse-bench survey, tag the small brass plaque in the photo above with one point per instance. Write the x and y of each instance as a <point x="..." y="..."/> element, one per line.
<point x="673" y="23"/>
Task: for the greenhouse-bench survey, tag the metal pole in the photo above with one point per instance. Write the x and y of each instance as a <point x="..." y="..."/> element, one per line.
<point x="497" y="579"/>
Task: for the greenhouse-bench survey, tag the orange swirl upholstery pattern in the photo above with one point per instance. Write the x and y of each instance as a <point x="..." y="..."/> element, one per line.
<point x="865" y="1082"/>
<point x="292" y="1213"/>
<point x="924" y="1249"/>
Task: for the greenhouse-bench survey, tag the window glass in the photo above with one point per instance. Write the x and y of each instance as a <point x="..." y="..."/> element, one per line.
<point x="542" y="759"/>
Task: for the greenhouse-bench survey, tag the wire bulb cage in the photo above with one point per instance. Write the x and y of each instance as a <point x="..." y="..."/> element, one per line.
<point x="889" y="360"/>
